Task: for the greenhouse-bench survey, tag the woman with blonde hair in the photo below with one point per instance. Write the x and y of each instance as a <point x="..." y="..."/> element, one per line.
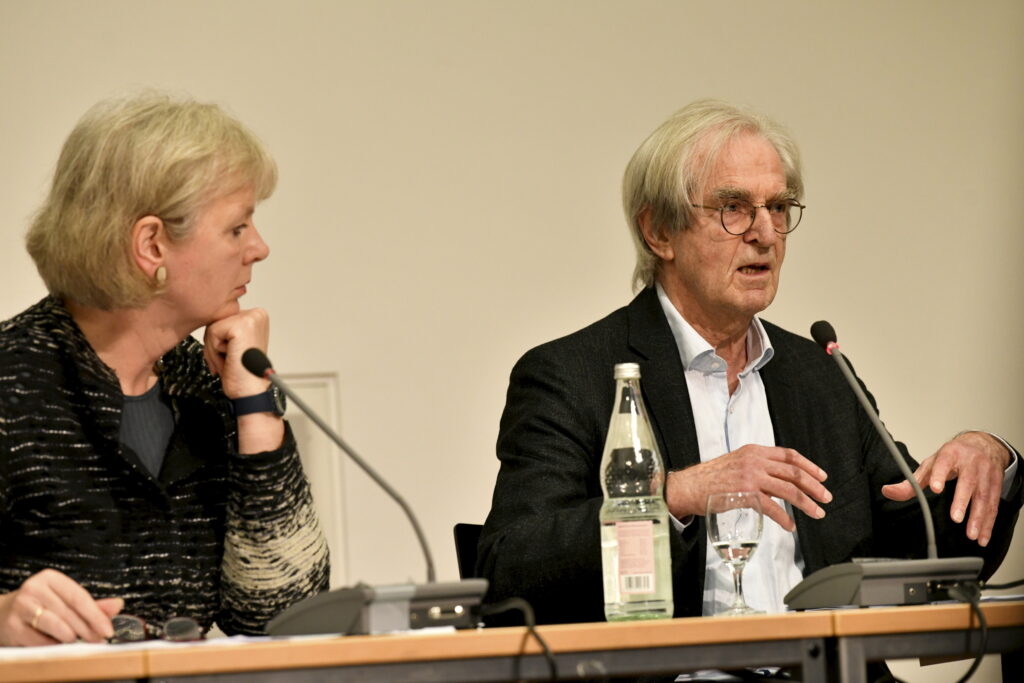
<point x="142" y="471"/>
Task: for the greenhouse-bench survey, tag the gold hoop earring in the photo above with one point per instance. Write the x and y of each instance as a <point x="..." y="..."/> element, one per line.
<point x="161" y="276"/>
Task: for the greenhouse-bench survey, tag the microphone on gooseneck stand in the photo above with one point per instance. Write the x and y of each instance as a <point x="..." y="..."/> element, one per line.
<point x="366" y="609"/>
<point x="824" y="334"/>
<point x="877" y="581"/>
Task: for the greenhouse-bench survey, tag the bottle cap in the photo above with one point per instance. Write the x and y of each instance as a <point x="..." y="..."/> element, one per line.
<point x="627" y="371"/>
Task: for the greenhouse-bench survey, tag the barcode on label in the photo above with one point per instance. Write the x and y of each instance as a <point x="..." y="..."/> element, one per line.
<point x="637" y="583"/>
<point x="636" y="556"/>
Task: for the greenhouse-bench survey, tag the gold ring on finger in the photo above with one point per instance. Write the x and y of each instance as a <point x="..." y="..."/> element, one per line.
<point x="35" y="617"/>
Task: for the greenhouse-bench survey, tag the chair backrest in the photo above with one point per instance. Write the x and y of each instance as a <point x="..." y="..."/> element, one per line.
<point x="466" y="537"/>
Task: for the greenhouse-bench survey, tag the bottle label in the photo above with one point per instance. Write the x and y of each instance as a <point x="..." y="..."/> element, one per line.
<point x="636" y="556"/>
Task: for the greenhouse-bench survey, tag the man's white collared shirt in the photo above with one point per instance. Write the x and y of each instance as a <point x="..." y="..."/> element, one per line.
<point x="725" y="423"/>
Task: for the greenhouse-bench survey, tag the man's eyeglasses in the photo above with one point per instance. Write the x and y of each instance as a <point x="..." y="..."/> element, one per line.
<point x="738" y="215"/>
<point x="129" y="628"/>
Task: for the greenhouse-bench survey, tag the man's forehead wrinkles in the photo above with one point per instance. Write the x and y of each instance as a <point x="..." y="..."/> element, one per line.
<point x="730" y="192"/>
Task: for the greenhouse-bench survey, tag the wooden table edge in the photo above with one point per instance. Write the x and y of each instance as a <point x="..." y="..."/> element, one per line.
<point x="924" y="618"/>
<point x="492" y="642"/>
<point x="83" y="667"/>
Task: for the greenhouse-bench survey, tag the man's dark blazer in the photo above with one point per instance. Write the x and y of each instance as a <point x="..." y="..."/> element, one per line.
<point x="541" y="538"/>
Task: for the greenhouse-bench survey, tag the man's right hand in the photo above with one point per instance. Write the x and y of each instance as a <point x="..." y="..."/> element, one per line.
<point x="50" y="607"/>
<point x="771" y="471"/>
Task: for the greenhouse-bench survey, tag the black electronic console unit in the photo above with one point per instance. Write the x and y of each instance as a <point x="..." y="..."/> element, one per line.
<point x="870" y="582"/>
<point x="364" y="609"/>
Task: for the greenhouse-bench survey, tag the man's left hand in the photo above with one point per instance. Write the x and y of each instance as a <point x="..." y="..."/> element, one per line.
<point x="978" y="462"/>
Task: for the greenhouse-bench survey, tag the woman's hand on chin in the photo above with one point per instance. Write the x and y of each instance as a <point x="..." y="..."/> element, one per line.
<point x="225" y="342"/>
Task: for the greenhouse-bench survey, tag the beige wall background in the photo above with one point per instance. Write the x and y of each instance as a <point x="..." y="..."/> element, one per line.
<point x="449" y="195"/>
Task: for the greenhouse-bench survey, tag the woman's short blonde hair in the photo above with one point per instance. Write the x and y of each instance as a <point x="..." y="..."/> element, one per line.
<point x="669" y="170"/>
<point x="148" y="154"/>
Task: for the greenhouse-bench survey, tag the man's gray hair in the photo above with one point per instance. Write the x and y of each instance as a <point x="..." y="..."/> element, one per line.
<point x="669" y="171"/>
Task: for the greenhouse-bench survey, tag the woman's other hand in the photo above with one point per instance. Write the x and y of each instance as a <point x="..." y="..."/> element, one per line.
<point x="50" y="608"/>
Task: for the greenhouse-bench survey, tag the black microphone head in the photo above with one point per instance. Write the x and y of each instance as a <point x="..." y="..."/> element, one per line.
<point x="256" y="362"/>
<point x="823" y="333"/>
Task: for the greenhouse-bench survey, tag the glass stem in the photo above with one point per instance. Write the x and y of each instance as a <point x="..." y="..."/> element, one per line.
<point x="737" y="584"/>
